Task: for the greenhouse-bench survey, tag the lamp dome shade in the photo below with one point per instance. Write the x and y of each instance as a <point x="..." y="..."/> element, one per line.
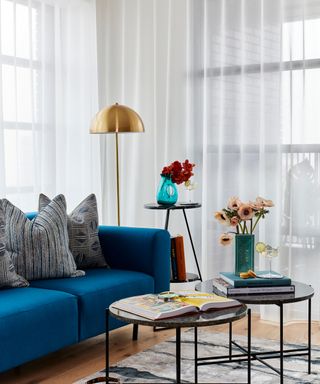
<point x="116" y="119"/>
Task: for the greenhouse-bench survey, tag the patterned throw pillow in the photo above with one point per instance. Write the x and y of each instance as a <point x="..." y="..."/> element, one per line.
<point x="39" y="248"/>
<point x="83" y="232"/>
<point x="8" y="275"/>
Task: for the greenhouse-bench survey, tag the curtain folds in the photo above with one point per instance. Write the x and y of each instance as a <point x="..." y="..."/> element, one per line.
<point x="233" y="86"/>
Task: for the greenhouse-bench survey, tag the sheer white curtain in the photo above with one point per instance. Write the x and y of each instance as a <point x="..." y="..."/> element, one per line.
<point x="142" y="55"/>
<point x="234" y="86"/>
<point x="260" y="82"/>
<point x="48" y="89"/>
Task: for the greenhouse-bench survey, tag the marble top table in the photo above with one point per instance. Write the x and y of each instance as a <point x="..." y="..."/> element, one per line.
<point x="195" y="320"/>
<point x="302" y="292"/>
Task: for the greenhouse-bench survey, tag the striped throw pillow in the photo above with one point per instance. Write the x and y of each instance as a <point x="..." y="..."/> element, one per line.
<point x="8" y="275"/>
<point x="39" y="248"/>
<point x="83" y="232"/>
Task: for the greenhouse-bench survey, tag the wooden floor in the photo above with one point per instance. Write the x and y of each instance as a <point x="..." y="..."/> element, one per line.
<point x="73" y="363"/>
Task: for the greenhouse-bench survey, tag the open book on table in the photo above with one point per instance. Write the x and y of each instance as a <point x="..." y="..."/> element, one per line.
<point x="152" y="307"/>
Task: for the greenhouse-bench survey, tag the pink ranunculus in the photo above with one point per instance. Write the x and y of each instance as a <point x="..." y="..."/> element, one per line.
<point x="255" y="206"/>
<point x="234" y="221"/>
<point x="234" y="203"/>
<point x="225" y="239"/>
<point x="264" y="202"/>
<point x="245" y="212"/>
<point x="222" y="218"/>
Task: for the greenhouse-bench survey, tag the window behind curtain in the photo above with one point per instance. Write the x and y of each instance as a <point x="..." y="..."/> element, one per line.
<point x="48" y="95"/>
<point x="256" y="87"/>
<point x="24" y="65"/>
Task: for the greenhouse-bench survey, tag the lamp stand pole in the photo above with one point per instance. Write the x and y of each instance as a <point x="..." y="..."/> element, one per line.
<point x="118" y="181"/>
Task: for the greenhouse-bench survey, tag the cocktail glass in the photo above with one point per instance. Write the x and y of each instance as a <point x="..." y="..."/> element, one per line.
<point x="189" y="186"/>
<point x="270" y="253"/>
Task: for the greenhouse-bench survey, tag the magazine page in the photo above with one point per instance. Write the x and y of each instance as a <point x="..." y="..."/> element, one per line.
<point x="152" y="307"/>
<point x="205" y="301"/>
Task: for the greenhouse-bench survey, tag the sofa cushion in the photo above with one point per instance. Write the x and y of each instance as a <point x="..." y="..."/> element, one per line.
<point x="96" y="291"/>
<point x="39" y="248"/>
<point x="8" y="275"/>
<point x="34" y="322"/>
<point x="83" y="224"/>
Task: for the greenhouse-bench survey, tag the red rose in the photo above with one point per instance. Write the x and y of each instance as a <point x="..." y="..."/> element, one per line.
<point x="179" y="173"/>
<point x="176" y="167"/>
<point x="166" y="171"/>
<point x="187" y="165"/>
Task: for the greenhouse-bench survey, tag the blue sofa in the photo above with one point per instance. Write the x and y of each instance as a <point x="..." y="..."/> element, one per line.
<point x="52" y="314"/>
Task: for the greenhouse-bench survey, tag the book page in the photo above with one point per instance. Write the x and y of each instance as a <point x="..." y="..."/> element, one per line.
<point x="204" y="301"/>
<point x="152" y="307"/>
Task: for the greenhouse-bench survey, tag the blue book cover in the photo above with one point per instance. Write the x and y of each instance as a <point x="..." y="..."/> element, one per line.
<point x="237" y="282"/>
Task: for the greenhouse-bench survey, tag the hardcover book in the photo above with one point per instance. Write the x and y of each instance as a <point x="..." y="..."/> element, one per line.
<point x="180" y="257"/>
<point x="237" y="281"/>
<point x="152" y="307"/>
<point x="173" y="259"/>
<point x="229" y="289"/>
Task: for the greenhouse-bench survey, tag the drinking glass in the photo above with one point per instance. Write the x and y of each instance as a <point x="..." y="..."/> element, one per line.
<point x="189" y="187"/>
<point x="269" y="254"/>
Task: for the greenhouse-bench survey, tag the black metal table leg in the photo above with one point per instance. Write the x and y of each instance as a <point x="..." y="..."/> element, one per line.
<point x="192" y="245"/>
<point x="309" y="336"/>
<point x="167" y="220"/>
<point x="230" y="341"/>
<point x="178" y="354"/>
<point x="195" y="355"/>
<point x="135" y="332"/>
<point x="249" y="346"/>
<point x="107" y="345"/>
<point x="106" y="378"/>
<point x="281" y="343"/>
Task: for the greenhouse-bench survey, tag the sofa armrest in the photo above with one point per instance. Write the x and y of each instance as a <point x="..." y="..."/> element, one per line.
<point x="138" y="249"/>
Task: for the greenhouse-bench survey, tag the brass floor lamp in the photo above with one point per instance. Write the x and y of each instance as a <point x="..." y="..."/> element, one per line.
<point x="117" y="119"/>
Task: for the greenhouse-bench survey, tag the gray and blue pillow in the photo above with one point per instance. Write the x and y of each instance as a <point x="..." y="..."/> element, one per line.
<point x="39" y="248"/>
<point x="8" y="275"/>
<point x="83" y="232"/>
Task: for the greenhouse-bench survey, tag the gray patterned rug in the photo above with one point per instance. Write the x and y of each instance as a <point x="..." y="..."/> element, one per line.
<point x="157" y="365"/>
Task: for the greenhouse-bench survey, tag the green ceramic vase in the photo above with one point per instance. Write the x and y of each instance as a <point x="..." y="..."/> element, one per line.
<point x="244" y="253"/>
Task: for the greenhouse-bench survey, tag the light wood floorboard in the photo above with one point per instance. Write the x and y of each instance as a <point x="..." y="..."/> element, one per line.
<point x="83" y="359"/>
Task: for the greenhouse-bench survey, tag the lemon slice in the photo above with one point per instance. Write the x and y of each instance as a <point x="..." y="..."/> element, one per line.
<point x="260" y="247"/>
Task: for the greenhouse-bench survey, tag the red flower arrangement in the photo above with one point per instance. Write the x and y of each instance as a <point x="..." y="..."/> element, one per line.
<point x="179" y="172"/>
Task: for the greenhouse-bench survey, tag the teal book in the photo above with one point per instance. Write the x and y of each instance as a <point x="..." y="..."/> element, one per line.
<point x="237" y="282"/>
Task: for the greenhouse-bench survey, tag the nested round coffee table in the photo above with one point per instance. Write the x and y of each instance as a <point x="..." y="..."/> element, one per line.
<point x="302" y="292"/>
<point x="194" y="320"/>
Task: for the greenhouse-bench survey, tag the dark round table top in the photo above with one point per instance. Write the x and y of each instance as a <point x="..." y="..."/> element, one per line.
<point x="174" y="206"/>
<point x="302" y="292"/>
<point x="199" y="319"/>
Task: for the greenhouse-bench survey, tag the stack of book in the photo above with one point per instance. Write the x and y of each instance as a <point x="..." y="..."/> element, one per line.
<point x="231" y="284"/>
<point x="178" y="263"/>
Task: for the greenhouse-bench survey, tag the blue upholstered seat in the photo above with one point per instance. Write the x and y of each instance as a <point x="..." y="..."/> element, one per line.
<point x="55" y="313"/>
<point x="96" y="291"/>
<point x="34" y="322"/>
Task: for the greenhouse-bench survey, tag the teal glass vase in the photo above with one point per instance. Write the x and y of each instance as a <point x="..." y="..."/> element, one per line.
<point x="167" y="193"/>
<point x="244" y="253"/>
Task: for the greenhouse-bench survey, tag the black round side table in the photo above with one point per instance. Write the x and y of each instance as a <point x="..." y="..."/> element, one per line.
<point x="183" y="207"/>
<point x="302" y="292"/>
<point x="192" y="320"/>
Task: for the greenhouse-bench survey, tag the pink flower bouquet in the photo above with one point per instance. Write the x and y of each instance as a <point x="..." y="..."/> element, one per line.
<point x="243" y="217"/>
